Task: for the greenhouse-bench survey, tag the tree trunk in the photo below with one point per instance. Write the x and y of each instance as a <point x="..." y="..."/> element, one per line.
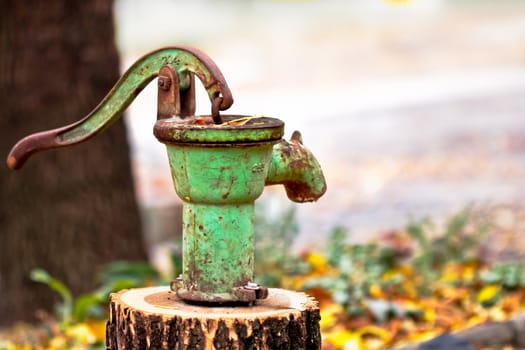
<point x="154" y="318"/>
<point x="72" y="210"/>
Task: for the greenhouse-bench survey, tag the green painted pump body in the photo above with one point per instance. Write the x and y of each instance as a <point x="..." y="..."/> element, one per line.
<point x="219" y="171"/>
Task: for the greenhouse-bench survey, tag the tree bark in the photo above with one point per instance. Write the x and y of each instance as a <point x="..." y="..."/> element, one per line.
<point x="155" y="318"/>
<point x="72" y="210"/>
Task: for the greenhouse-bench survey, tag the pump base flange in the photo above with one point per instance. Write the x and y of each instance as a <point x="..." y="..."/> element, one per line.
<point x="240" y="295"/>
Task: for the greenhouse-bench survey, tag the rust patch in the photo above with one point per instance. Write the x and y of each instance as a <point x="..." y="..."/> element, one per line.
<point x="11" y="162"/>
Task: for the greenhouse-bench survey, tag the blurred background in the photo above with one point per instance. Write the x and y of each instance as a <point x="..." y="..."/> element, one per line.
<point x="413" y="108"/>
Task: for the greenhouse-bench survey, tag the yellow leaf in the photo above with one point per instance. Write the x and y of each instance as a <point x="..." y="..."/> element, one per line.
<point x="81" y="333"/>
<point x="375" y="331"/>
<point x="341" y="337"/>
<point x="242" y="121"/>
<point x="497" y="314"/>
<point x="450" y="273"/>
<point x="374" y="337"/>
<point x="425" y="335"/>
<point x="97" y="328"/>
<point x="430" y="314"/>
<point x="469" y="273"/>
<point x="488" y="295"/>
<point x="391" y="274"/>
<point x="375" y="291"/>
<point x="58" y="342"/>
<point x="452" y="293"/>
<point x="329" y="315"/>
<point x="410" y="306"/>
<point x="374" y="343"/>
<point x="317" y="262"/>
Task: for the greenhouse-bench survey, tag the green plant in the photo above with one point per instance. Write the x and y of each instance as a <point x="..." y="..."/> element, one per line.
<point x="510" y="275"/>
<point x="359" y="266"/>
<point x="364" y="267"/>
<point x="273" y="241"/>
<point x="463" y="233"/>
<point x="65" y="310"/>
<point x="116" y="276"/>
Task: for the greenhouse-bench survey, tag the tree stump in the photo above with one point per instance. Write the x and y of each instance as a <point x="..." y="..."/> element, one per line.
<point x="155" y="318"/>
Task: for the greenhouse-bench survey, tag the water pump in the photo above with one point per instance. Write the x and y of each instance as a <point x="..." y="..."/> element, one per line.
<point x="219" y="164"/>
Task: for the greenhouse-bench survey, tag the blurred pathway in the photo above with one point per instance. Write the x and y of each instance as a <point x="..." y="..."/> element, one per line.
<point x="411" y="111"/>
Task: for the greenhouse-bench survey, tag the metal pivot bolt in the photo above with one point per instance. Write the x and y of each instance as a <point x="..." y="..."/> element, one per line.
<point x="164" y="82"/>
<point x="251" y="285"/>
<point x="260" y="291"/>
<point x="220" y="165"/>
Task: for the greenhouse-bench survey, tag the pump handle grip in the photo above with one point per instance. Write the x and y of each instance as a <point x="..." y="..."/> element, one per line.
<point x="185" y="60"/>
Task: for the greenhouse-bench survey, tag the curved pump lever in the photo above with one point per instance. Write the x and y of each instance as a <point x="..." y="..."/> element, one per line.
<point x="184" y="59"/>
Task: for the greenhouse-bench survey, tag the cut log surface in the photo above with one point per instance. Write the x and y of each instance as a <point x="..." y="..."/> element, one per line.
<point x="155" y="318"/>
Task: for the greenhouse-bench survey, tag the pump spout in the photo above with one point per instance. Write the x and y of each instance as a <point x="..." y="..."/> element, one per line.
<point x="295" y="167"/>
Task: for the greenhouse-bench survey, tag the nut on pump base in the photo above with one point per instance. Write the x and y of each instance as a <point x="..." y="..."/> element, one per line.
<point x="220" y="165"/>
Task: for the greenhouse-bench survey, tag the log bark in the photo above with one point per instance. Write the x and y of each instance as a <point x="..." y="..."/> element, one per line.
<point x="154" y="318"/>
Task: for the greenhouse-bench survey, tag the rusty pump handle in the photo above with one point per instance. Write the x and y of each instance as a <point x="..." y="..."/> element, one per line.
<point x="184" y="59"/>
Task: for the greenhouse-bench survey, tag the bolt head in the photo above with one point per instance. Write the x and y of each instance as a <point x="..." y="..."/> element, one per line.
<point x="176" y="284"/>
<point x="251" y="285"/>
<point x="164" y="82"/>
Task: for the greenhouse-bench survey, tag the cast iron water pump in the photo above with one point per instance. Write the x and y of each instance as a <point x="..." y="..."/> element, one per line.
<point x="219" y="164"/>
